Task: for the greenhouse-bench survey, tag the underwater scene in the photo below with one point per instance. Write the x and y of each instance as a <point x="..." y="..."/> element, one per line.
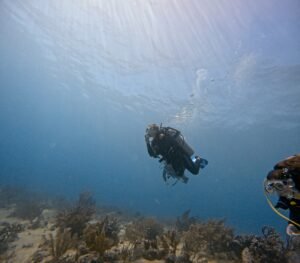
<point x="149" y="131"/>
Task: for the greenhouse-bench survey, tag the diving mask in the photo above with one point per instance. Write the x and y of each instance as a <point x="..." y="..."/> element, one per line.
<point x="282" y="187"/>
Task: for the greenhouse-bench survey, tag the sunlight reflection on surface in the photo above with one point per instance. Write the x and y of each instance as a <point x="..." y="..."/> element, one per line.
<point x="191" y="60"/>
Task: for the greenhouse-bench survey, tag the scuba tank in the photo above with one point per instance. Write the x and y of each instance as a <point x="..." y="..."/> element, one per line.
<point x="180" y="140"/>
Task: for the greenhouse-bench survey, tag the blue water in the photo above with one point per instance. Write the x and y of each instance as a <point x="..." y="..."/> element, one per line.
<point x="81" y="80"/>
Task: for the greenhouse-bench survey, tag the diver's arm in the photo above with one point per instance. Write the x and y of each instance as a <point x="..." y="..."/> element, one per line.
<point x="192" y="167"/>
<point x="150" y="151"/>
<point x="149" y="148"/>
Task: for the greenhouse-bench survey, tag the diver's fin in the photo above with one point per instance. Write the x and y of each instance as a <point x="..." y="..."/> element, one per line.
<point x="184" y="179"/>
<point x="165" y="175"/>
<point x="203" y="163"/>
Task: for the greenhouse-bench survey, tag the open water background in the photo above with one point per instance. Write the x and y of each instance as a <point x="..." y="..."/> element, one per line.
<point x="81" y="80"/>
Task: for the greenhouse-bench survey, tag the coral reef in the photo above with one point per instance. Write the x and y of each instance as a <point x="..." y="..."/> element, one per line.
<point x="268" y="248"/>
<point x="144" y="234"/>
<point x="78" y="216"/>
<point x="28" y="209"/>
<point x="211" y="238"/>
<point x="102" y="235"/>
<point x="143" y="229"/>
<point x="60" y="242"/>
<point x="77" y="234"/>
<point x="125" y="253"/>
<point x="8" y="233"/>
<point x="184" y="221"/>
<point x="170" y="241"/>
<point x="27" y="205"/>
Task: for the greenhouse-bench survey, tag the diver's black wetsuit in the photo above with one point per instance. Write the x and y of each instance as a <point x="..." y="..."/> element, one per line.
<point x="167" y="147"/>
<point x="293" y="205"/>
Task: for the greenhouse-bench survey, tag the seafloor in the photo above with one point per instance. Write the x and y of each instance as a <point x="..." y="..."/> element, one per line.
<point x="35" y="228"/>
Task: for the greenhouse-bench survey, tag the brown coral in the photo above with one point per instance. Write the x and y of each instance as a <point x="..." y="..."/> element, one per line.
<point x="77" y="217"/>
<point x="144" y="229"/>
<point x="211" y="238"/>
<point x="101" y="236"/>
<point x="268" y="248"/>
<point x="60" y="243"/>
<point x="184" y="221"/>
<point x="170" y="241"/>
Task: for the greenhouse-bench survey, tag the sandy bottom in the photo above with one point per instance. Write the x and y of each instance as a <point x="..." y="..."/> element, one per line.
<point x="29" y="240"/>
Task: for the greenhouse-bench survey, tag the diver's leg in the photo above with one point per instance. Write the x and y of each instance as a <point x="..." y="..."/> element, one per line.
<point x="293" y="237"/>
<point x="191" y="166"/>
<point x="184" y="179"/>
<point x="203" y="162"/>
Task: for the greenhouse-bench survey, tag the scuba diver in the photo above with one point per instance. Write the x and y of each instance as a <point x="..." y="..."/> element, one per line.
<point x="169" y="145"/>
<point x="284" y="180"/>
